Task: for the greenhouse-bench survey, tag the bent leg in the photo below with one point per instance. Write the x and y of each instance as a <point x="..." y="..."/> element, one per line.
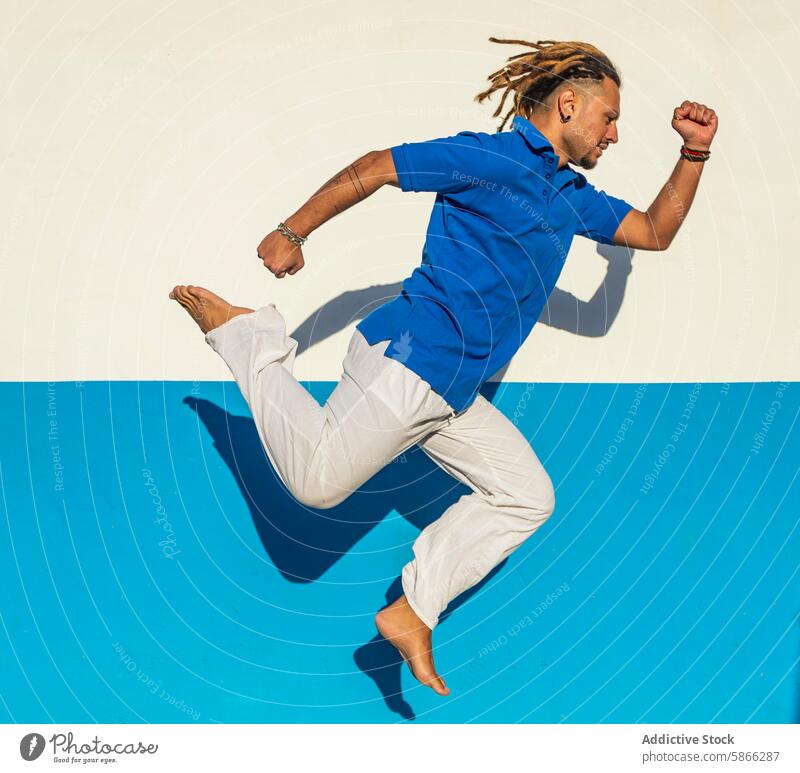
<point x="288" y="419"/>
<point x="512" y="497"/>
<point x="378" y="409"/>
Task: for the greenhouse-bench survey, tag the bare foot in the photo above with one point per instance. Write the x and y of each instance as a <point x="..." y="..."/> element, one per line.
<point x="400" y="626"/>
<point x="206" y="308"/>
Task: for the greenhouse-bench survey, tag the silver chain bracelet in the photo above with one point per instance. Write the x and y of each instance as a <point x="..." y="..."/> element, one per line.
<point x="291" y="235"/>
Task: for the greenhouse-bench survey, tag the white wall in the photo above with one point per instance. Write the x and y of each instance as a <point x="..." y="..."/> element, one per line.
<point x="151" y="143"/>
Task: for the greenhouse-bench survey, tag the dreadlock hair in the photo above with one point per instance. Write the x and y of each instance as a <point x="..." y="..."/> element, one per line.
<point x="534" y="75"/>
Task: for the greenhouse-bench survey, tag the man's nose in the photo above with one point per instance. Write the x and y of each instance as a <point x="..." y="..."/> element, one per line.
<point x="612" y="135"/>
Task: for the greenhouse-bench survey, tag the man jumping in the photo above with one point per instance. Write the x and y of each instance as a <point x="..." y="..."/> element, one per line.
<point x="507" y="207"/>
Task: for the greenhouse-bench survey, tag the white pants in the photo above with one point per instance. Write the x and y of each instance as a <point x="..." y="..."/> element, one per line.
<point x="379" y="409"/>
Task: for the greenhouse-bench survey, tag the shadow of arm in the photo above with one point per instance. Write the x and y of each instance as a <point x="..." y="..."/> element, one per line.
<point x="592" y="318"/>
<point x="339" y="312"/>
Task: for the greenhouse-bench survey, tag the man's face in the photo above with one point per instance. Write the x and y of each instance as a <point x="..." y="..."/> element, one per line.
<point x="594" y="124"/>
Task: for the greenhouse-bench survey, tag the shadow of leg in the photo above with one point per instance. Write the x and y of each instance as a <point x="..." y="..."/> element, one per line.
<point x="382" y="663"/>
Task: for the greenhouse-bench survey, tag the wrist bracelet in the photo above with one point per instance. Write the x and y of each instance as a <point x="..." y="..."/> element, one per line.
<point x="291" y="235"/>
<point x="695" y="155"/>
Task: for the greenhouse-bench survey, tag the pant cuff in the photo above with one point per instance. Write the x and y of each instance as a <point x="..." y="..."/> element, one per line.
<point x="412" y="602"/>
<point x="227" y="328"/>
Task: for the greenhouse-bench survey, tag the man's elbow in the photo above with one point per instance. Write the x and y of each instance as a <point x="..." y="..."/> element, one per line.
<point x="661" y="243"/>
<point x="659" y="240"/>
<point x="381" y="166"/>
<point x="664" y="241"/>
<point x="637" y="231"/>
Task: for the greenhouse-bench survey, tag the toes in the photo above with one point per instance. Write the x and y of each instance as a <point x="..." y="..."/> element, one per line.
<point x="200" y="303"/>
<point x="204" y="297"/>
<point x="436" y="683"/>
<point x="190" y="303"/>
<point x="201" y="297"/>
<point x="200" y="293"/>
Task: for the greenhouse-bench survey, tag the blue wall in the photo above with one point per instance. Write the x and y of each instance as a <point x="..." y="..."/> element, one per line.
<point x="154" y="569"/>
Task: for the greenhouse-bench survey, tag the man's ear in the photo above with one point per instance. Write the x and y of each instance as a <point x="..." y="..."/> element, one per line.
<point x="566" y="101"/>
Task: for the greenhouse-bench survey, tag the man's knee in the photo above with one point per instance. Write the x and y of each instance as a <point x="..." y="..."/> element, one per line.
<point x="319" y="496"/>
<point x="313" y="484"/>
<point x="539" y="500"/>
<point x="319" y="500"/>
<point x="549" y="501"/>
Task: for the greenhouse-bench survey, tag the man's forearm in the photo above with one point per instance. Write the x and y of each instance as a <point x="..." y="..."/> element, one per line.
<point x="673" y="202"/>
<point x="352" y="184"/>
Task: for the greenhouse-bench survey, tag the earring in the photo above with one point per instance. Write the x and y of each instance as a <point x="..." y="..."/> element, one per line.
<point x="564" y="120"/>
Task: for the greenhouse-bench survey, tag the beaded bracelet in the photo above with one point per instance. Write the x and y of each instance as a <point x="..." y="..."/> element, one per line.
<point x="695" y="155"/>
<point x="291" y="235"/>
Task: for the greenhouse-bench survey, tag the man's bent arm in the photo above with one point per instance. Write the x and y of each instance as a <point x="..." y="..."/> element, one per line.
<point x="353" y="184"/>
<point x="656" y="228"/>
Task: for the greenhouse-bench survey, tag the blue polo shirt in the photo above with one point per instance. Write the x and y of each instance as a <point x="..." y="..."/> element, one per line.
<point x="498" y="236"/>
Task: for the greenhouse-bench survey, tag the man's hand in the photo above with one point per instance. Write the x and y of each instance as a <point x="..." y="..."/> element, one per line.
<point x="354" y="183"/>
<point x="655" y="228"/>
<point x="279" y="255"/>
<point x="696" y="123"/>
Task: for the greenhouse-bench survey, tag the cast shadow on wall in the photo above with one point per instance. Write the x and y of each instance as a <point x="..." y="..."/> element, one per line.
<point x="304" y="543"/>
<point x="592" y="318"/>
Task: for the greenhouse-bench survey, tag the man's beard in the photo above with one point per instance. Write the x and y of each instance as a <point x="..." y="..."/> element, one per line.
<point x="588" y="160"/>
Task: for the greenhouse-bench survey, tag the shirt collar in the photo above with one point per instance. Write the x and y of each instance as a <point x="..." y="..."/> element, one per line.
<point x="532" y="135"/>
<point x="537" y="141"/>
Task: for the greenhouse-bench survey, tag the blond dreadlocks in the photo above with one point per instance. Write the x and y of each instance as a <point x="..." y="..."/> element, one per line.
<point x="534" y="75"/>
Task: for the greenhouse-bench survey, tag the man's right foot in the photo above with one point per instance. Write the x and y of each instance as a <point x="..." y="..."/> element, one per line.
<point x="400" y="626"/>
<point x="206" y="308"/>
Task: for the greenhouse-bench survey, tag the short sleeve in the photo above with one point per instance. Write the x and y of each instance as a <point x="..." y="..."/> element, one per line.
<point x="444" y="165"/>
<point x="599" y="214"/>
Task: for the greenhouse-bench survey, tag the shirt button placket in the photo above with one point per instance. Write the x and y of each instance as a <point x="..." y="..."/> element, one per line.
<point x="547" y="176"/>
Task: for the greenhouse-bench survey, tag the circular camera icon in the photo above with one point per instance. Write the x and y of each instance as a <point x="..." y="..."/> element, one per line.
<point x="31" y="746"/>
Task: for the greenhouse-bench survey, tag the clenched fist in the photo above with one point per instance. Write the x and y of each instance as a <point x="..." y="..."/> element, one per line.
<point x="696" y="123"/>
<point x="279" y="255"/>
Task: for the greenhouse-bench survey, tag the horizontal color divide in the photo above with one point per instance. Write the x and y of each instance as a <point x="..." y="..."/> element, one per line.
<point x="154" y="569"/>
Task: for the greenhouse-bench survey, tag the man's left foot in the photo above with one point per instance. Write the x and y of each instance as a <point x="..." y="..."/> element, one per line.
<point x="402" y="628"/>
<point x="206" y="308"/>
